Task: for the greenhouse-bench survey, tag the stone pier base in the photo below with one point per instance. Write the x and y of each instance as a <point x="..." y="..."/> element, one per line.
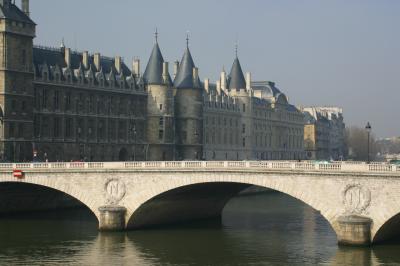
<point x="354" y="230"/>
<point x="112" y="218"/>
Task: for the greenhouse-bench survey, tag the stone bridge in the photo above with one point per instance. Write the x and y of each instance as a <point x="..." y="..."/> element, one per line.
<point x="360" y="201"/>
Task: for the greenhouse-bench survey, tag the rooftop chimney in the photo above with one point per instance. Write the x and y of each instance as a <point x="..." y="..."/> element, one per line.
<point x="25" y="7"/>
<point x="96" y="59"/>
<point x="85" y="59"/>
<point x="165" y="73"/>
<point x="136" y="67"/>
<point x="248" y="81"/>
<point x="223" y="80"/>
<point x="207" y="85"/>
<point x="118" y="64"/>
<point x="68" y="57"/>
<point x="176" y="68"/>
<point x="195" y="74"/>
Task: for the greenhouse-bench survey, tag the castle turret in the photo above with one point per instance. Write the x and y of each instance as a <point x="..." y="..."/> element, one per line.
<point x="241" y="91"/>
<point x="16" y="82"/>
<point x="160" y="108"/>
<point x="188" y="110"/>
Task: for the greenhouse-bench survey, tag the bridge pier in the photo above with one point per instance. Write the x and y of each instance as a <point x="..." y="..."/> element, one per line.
<point x="112" y="218"/>
<point x="354" y="230"/>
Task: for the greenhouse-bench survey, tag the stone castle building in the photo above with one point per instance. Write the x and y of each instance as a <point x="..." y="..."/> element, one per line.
<point x="68" y="105"/>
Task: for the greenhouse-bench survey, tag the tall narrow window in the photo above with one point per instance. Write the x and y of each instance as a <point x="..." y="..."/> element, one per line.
<point x="44" y="101"/>
<point x="161" y="134"/>
<point x="244" y="108"/>
<point x="56" y="100"/>
<point x="23" y="57"/>
<point x="161" y="122"/>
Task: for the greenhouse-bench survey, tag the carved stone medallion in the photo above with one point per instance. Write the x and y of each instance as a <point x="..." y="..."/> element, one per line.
<point x="356" y="198"/>
<point x="115" y="191"/>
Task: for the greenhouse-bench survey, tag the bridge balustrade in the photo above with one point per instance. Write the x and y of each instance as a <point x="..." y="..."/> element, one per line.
<point x="272" y="165"/>
<point x="330" y="166"/>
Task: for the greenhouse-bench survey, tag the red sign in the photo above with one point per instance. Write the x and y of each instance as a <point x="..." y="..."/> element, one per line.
<point x="18" y="174"/>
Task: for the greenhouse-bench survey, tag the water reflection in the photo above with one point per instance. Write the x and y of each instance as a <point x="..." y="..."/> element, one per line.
<point x="265" y="229"/>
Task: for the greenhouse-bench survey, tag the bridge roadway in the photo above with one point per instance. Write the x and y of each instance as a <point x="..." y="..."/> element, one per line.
<point x="360" y="201"/>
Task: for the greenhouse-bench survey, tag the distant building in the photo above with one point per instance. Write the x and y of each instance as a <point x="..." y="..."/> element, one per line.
<point x="65" y="105"/>
<point x="324" y="133"/>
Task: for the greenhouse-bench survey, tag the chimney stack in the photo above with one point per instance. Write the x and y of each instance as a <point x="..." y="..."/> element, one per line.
<point x="207" y="85"/>
<point x="85" y="59"/>
<point x="96" y="61"/>
<point x="68" y="57"/>
<point x="25" y="7"/>
<point x="223" y="80"/>
<point x="165" y="73"/>
<point x="195" y="74"/>
<point x="136" y="68"/>
<point x="176" y="68"/>
<point x="118" y="64"/>
<point x="248" y="81"/>
<point x="219" y="87"/>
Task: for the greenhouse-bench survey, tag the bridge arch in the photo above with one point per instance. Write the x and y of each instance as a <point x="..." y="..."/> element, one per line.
<point x="388" y="230"/>
<point x="70" y="191"/>
<point x="137" y="209"/>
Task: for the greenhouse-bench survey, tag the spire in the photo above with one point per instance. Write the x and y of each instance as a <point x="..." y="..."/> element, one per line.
<point x="154" y="68"/>
<point x="236" y="77"/>
<point x="236" y="50"/>
<point x="156" y="35"/>
<point x="184" y="78"/>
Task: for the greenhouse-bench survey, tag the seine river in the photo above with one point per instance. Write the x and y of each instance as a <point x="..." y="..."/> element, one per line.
<point x="263" y="229"/>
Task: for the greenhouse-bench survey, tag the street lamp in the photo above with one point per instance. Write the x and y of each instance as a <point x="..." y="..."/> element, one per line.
<point x="134" y="142"/>
<point x="368" y="129"/>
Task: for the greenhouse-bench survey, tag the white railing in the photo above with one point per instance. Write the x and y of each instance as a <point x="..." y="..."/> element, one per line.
<point x="223" y="165"/>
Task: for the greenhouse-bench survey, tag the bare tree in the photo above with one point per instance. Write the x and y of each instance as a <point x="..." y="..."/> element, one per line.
<point x="357" y="142"/>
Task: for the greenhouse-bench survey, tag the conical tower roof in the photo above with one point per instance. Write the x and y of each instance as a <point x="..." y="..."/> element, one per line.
<point x="236" y="77"/>
<point x="154" y="68"/>
<point x="184" y="77"/>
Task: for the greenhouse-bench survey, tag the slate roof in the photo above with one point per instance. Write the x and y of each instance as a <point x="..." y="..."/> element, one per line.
<point x="14" y="13"/>
<point x="154" y="68"/>
<point x="55" y="57"/>
<point x="236" y="78"/>
<point x="184" y="78"/>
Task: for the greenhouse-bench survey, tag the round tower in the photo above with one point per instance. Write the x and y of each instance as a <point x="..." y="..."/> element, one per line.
<point x="160" y="108"/>
<point x="188" y="110"/>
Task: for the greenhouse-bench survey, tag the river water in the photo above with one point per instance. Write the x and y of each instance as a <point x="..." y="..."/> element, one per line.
<point x="263" y="229"/>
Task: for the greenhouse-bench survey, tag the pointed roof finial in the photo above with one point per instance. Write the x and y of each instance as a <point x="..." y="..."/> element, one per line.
<point x="156" y="35"/>
<point x="187" y="39"/>
<point x="236" y="49"/>
<point x="62" y="43"/>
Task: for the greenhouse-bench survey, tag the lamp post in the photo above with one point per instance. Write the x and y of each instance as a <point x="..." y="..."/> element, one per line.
<point x="134" y="142"/>
<point x="368" y="129"/>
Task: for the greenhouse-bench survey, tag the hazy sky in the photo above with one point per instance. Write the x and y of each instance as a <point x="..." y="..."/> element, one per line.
<point x="339" y="53"/>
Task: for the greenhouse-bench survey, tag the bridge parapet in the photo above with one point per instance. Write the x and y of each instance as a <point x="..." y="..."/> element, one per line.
<point x="308" y="166"/>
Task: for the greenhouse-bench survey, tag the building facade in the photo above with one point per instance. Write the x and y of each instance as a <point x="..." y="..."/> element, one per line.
<point x="324" y="133"/>
<point x="66" y="105"/>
